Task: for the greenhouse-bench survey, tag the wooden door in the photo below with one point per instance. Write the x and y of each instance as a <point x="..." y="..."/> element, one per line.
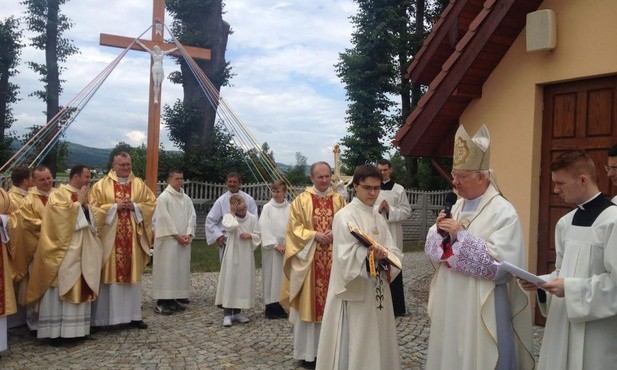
<point x="577" y="115"/>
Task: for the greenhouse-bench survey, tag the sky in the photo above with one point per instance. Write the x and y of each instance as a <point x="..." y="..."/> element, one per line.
<point x="282" y="54"/>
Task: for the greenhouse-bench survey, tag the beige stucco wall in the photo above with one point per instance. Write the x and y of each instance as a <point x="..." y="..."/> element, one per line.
<point x="511" y="103"/>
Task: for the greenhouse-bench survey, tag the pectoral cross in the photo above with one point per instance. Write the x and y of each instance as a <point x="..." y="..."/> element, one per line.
<point x="154" y="109"/>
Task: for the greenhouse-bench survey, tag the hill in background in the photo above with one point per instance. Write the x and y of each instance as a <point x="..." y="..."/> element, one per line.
<point x="97" y="157"/>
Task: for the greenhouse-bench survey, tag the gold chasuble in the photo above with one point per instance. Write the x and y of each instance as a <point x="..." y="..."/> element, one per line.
<point x="7" y="293"/>
<point x="307" y="267"/>
<point x="66" y="257"/>
<point x="126" y="242"/>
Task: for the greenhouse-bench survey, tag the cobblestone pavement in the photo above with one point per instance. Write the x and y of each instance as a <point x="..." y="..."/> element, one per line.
<point x="196" y="338"/>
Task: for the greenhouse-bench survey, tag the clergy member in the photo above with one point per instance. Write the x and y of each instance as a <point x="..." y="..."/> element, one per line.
<point x="358" y="329"/>
<point x="394" y="207"/>
<point x="307" y="261"/>
<point x="174" y="229"/>
<point x="7" y="294"/>
<point x="30" y="217"/>
<point x="272" y="223"/>
<point x="21" y="180"/>
<point x="215" y="232"/>
<point x="480" y="319"/>
<point x="66" y="267"/>
<point x="123" y="207"/>
<point x="611" y="167"/>
<point x="580" y="297"/>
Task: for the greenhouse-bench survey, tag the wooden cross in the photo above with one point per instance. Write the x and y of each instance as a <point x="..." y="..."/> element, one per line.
<point x="154" y="110"/>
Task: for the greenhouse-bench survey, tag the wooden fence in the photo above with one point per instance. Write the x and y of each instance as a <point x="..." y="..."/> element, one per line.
<point x="424" y="204"/>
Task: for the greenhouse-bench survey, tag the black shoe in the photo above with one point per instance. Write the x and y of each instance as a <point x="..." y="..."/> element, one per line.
<point x="308" y="364"/>
<point x="280" y="312"/>
<point x="163" y="309"/>
<point x="183" y="301"/>
<point x="401" y="314"/>
<point x="176" y="307"/>
<point x="139" y="324"/>
<point x="270" y="314"/>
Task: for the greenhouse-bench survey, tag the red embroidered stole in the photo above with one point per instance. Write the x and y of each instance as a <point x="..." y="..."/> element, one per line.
<point x="2" y="290"/>
<point x="86" y="294"/>
<point x="323" y="214"/>
<point x="123" y="246"/>
<point x="43" y="198"/>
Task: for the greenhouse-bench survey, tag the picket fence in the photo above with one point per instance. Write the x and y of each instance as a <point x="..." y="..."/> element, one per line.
<point x="424" y="204"/>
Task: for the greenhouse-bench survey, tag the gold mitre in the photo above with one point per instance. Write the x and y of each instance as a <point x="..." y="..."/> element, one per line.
<point x="471" y="153"/>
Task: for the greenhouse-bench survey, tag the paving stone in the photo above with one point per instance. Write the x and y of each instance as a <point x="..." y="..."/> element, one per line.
<point x="196" y="338"/>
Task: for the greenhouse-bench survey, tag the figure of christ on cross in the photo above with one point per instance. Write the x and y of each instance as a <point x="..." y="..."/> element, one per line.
<point x="156" y="65"/>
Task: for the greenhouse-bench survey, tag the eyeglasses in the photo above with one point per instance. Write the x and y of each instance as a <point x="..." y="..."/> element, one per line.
<point x="610" y="168"/>
<point x="370" y="188"/>
<point x="461" y="175"/>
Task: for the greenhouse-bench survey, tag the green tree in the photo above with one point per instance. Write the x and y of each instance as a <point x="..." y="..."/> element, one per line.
<point x="297" y="174"/>
<point x="10" y="50"/>
<point x="387" y="35"/>
<point x="192" y="122"/>
<point x="44" y="19"/>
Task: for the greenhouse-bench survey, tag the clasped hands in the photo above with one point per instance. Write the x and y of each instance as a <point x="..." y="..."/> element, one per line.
<point x="324" y="238"/>
<point x="125" y="204"/>
<point x="183" y="240"/>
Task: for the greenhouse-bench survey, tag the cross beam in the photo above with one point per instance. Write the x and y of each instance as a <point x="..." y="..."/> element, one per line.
<point x="154" y="110"/>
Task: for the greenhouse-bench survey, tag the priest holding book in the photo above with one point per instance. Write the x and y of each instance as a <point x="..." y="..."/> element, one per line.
<point x="358" y="329"/>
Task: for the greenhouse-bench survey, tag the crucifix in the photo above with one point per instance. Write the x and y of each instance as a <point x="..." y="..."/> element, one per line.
<point x="158" y="48"/>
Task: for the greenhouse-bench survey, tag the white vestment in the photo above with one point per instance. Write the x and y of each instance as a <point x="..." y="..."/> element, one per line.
<point x="236" y="286"/>
<point x="214" y="225"/>
<point x="400" y="210"/>
<point x="358" y="329"/>
<point x="462" y="305"/>
<point x="581" y="329"/>
<point x="171" y="270"/>
<point x="272" y="223"/>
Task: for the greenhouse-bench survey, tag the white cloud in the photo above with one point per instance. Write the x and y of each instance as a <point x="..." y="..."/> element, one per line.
<point x="285" y="88"/>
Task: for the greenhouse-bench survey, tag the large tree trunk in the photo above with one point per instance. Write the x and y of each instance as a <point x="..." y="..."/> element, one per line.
<point x="53" y="75"/>
<point x="211" y="25"/>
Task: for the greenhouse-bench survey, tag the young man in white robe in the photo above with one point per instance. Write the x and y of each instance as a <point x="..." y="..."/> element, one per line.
<point x="394" y="207"/>
<point x="66" y="269"/>
<point x="480" y="317"/>
<point x="358" y="330"/>
<point x="215" y="231"/>
<point x="273" y="223"/>
<point x="174" y="227"/>
<point x="580" y="297"/>
<point x="236" y="286"/>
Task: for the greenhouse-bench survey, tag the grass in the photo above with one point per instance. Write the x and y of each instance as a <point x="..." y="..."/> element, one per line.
<point x="205" y="258"/>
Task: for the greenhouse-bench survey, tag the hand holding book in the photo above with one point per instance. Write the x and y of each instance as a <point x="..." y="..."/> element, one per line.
<point x="367" y="241"/>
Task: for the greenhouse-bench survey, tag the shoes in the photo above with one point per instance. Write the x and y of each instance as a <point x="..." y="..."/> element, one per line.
<point x="139" y="324"/>
<point x="270" y="314"/>
<point x="227" y="321"/>
<point x="183" y="301"/>
<point x="280" y="312"/>
<point x="240" y="317"/>
<point x="163" y="309"/>
<point x="307" y="364"/>
<point x="401" y="314"/>
<point x="176" y="307"/>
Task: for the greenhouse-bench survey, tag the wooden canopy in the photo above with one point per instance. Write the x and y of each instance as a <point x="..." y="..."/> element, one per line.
<point x="460" y="53"/>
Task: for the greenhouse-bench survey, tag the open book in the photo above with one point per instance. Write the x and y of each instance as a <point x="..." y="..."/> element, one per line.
<point x="367" y="241"/>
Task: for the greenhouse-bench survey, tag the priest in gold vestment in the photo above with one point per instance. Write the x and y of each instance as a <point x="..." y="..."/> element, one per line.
<point x="307" y="262"/>
<point x="7" y="295"/>
<point x="66" y="267"/>
<point x="123" y="207"/>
